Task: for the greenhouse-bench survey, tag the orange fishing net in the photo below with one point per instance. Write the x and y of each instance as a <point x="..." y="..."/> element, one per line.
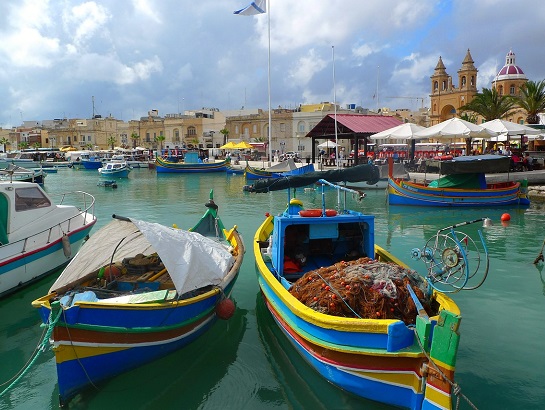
<point x="363" y="288"/>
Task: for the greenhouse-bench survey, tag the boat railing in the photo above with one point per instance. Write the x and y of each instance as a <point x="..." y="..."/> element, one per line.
<point x="86" y="199"/>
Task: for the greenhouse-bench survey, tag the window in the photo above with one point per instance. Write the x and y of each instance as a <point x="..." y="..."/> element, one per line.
<point x="236" y="129"/>
<point x="254" y="128"/>
<point x="435" y="86"/>
<point x="191" y="131"/>
<point x="463" y="81"/>
<point x="30" y="198"/>
<point x="301" y="126"/>
<point x="512" y="90"/>
<point x="282" y="127"/>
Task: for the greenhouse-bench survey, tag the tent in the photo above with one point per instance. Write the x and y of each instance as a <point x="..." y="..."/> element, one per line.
<point x="243" y="145"/>
<point x="454" y="128"/>
<point x="229" y="145"/>
<point x="327" y="144"/>
<point x="403" y="131"/>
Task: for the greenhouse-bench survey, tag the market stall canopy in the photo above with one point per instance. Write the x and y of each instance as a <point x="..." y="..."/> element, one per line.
<point x="455" y="128"/>
<point x="403" y="131"/>
<point x="509" y="128"/>
<point x="229" y="145"/>
<point x="243" y="145"/>
<point x="327" y="144"/>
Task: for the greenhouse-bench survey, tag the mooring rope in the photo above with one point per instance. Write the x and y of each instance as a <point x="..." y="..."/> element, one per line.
<point x="41" y="347"/>
<point x="456" y="389"/>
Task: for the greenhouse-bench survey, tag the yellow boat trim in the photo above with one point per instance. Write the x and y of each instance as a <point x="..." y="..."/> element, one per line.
<point x="408" y="380"/>
<point x="438" y="397"/>
<point x="66" y="353"/>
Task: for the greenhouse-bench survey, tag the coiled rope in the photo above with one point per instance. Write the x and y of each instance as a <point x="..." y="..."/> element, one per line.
<point x="41" y="347"/>
<point x="456" y="389"/>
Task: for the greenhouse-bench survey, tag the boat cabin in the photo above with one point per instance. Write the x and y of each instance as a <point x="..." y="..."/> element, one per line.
<point x="21" y="203"/>
<point x="304" y="243"/>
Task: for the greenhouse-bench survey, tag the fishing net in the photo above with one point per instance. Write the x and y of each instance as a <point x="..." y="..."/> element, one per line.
<point x="363" y="288"/>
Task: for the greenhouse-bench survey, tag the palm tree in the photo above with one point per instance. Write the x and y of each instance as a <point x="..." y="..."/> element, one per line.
<point x="490" y="105"/>
<point x="532" y="100"/>
<point x="225" y="133"/>
<point x="160" y="138"/>
<point x="5" y="142"/>
<point x="134" y="137"/>
<point x="111" y="142"/>
<point x="23" y="145"/>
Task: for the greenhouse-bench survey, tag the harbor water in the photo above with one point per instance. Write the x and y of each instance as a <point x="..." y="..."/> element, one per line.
<point x="245" y="362"/>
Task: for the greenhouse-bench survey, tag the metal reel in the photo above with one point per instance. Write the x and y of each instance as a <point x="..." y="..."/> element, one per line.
<point x="447" y="263"/>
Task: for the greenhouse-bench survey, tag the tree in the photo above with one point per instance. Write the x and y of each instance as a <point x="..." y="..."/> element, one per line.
<point x="160" y="139"/>
<point x="23" y="145"/>
<point x="225" y="133"/>
<point x="134" y="137"/>
<point x="111" y="141"/>
<point x="36" y="145"/>
<point x="490" y="105"/>
<point x="5" y="142"/>
<point x="532" y="100"/>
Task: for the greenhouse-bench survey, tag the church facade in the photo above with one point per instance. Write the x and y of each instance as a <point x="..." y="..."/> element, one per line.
<point x="446" y="98"/>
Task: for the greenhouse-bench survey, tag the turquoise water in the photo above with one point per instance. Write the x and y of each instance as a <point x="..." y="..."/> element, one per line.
<point x="246" y="363"/>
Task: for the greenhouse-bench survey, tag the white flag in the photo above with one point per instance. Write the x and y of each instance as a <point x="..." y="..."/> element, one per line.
<point x="255" y="7"/>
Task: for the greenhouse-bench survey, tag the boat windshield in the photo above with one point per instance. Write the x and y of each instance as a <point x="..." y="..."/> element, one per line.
<point x="30" y="198"/>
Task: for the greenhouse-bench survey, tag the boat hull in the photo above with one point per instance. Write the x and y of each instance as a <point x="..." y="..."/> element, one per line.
<point x="164" y="166"/>
<point x="378" y="359"/>
<point x="402" y="192"/>
<point x="20" y="267"/>
<point x="124" y="173"/>
<point x="97" y="341"/>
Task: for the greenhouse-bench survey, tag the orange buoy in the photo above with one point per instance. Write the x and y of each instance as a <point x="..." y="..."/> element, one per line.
<point x="225" y="309"/>
<point x="111" y="271"/>
<point x="505" y="217"/>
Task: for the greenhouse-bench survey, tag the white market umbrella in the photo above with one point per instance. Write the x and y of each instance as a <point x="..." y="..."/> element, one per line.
<point x="403" y="131"/>
<point x="509" y="128"/>
<point x="455" y="128"/>
<point x="327" y="144"/>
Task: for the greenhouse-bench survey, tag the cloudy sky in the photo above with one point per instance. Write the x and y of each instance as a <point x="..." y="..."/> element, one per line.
<point x="130" y="56"/>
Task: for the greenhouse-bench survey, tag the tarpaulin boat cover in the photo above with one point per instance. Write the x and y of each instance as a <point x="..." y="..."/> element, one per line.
<point x="473" y="164"/>
<point x="192" y="260"/>
<point x="357" y="173"/>
<point x="460" y="181"/>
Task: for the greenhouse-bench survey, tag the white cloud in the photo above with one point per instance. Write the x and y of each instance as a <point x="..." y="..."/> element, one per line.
<point x="147" y="8"/>
<point x="305" y="68"/>
<point x="84" y="21"/>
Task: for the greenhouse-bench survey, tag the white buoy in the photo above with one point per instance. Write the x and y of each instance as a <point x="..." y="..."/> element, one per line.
<point x="67" y="249"/>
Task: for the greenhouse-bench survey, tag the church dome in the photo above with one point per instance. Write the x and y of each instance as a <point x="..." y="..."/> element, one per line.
<point x="510" y="71"/>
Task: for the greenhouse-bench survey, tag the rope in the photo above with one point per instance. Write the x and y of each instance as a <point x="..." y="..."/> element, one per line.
<point x="456" y="389"/>
<point x="41" y="347"/>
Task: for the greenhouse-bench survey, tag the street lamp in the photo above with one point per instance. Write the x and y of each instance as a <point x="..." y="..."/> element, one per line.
<point x="282" y="145"/>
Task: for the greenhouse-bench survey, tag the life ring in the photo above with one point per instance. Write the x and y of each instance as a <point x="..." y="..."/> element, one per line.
<point x="316" y="212"/>
<point x="442" y="157"/>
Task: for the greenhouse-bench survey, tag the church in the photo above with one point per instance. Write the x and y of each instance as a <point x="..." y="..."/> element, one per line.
<point x="446" y="98"/>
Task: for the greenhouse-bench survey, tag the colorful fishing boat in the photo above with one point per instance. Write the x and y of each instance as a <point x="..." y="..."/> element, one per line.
<point x="463" y="185"/>
<point x="38" y="236"/>
<point x="276" y="171"/>
<point x="356" y="313"/>
<point x="137" y="291"/>
<point x="191" y="164"/>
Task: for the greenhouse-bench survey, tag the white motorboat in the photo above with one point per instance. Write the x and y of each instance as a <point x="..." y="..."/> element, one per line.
<point x="37" y="235"/>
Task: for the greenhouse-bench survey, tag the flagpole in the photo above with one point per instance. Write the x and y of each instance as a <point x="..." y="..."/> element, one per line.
<point x="378" y="67"/>
<point x="269" y="77"/>
<point x="335" y="110"/>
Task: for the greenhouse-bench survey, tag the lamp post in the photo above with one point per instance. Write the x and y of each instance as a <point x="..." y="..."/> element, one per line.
<point x="282" y="145"/>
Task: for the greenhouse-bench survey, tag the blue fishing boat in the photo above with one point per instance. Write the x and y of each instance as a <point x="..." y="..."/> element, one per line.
<point x="136" y="292"/>
<point x="191" y="164"/>
<point x="463" y="185"/>
<point x="357" y="314"/>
